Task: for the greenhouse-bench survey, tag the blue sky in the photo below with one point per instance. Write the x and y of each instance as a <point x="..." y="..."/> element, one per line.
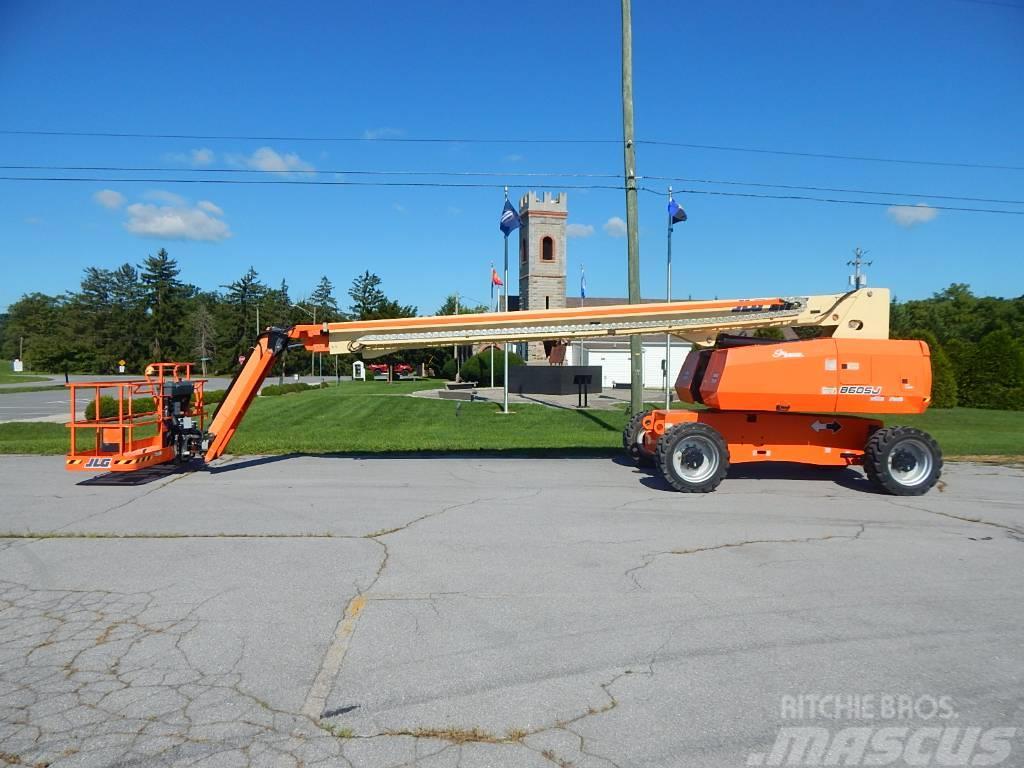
<point x="918" y="79"/>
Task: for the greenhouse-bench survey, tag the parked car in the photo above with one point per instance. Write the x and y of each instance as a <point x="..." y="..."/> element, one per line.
<point x="381" y="369"/>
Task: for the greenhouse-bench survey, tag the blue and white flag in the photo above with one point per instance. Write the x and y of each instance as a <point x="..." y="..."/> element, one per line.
<point x="509" y="219"/>
<point x="675" y="212"/>
<point x="583" y="284"/>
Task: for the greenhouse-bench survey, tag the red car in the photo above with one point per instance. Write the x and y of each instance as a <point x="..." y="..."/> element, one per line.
<point x="401" y="369"/>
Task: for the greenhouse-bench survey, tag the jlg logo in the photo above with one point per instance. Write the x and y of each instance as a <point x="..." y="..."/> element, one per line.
<point x="97" y="464"/>
<point x="859" y="390"/>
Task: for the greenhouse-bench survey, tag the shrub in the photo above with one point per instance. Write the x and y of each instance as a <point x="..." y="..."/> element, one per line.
<point x="274" y="390"/>
<point x="478" y="367"/>
<point x="108" y="407"/>
<point x="213" y="397"/>
<point x="944" y="385"/>
<point x="449" y="369"/>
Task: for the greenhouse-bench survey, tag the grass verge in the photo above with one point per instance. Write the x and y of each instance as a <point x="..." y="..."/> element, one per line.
<point x="10" y="377"/>
<point x="30" y="388"/>
<point x="358" y="417"/>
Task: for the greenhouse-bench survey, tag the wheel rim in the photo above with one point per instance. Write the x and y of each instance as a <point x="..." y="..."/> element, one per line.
<point x="695" y="459"/>
<point x="910" y="462"/>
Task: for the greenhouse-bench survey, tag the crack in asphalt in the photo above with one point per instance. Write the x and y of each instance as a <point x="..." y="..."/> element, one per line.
<point x="1013" y="531"/>
<point x="649" y="558"/>
<point x="103" y="677"/>
<point x="334" y="657"/>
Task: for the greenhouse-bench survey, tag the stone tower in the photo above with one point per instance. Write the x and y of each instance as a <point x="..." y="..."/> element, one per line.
<point x="542" y="256"/>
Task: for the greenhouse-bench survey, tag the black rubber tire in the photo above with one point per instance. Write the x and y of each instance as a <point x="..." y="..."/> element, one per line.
<point x="669" y="443"/>
<point x="884" y="445"/>
<point x="633" y="449"/>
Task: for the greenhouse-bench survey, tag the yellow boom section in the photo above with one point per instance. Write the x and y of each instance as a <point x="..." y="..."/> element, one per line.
<point x="857" y="314"/>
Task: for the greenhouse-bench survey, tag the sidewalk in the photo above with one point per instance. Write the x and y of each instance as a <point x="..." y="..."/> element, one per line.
<point x="607" y="399"/>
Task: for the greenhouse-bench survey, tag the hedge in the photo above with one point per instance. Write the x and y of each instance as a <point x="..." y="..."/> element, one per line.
<point x="108" y="405"/>
<point x="274" y="390"/>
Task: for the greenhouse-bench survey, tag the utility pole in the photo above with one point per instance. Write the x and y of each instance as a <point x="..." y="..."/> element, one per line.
<point x="858" y="279"/>
<point x="636" y="363"/>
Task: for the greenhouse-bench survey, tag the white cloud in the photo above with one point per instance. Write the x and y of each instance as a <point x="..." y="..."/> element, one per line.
<point x="209" y="207"/>
<point x="514" y="158"/>
<point x="201" y="156"/>
<point x="579" y="230"/>
<point x="194" y="157"/>
<point x="108" y="198"/>
<point x="615" y="227"/>
<point x="168" y="198"/>
<point x="184" y="221"/>
<point x="911" y="215"/>
<point x="382" y="133"/>
<point x="266" y="159"/>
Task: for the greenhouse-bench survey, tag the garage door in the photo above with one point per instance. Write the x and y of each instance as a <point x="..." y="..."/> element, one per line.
<point x="654" y="378"/>
<point x="614" y="365"/>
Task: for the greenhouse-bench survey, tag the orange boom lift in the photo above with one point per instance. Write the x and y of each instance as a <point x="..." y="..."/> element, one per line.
<point x="755" y="399"/>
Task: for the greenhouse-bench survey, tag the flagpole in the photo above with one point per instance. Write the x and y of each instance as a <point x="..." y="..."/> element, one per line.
<point x="668" y="297"/>
<point x="582" y="297"/>
<point x="504" y="290"/>
<point x="492" y="345"/>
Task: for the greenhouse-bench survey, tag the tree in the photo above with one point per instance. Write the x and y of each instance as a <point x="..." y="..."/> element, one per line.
<point x="453" y="303"/>
<point x="204" y="331"/>
<point x="236" y="319"/>
<point x="944" y="387"/>
<point x="164" y="300"/>
<point x="998" y="371"/>
<point x="37" y="323"/>
<point x="126" y="319"/>
<point x="366" y="295"/>
<point x="324" y="301"/>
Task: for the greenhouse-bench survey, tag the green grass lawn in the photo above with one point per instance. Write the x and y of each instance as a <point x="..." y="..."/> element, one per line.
<point x="10" y="377"/>
<point x="374" y="417"/>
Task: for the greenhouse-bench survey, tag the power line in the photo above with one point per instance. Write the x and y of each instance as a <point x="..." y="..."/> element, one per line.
<point x="291" y="182"/>
<point x="470" y="185"/>
<point x="830" y="156"/>
<point x="388" y="139"/>
<point x="350" y="172"/>
<point x="845" y="190"/>
<point x="825" y="200"/>
<point x="994" y="2"/>
<point x="468" y="140"/>
<point x="506" y="175"/>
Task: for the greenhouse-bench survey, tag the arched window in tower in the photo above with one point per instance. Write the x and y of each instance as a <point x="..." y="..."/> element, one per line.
<point x="547" y="249"/>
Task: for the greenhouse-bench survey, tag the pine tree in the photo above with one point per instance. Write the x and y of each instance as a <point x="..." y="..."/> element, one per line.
<point x="367" y="296"/>
<point x="324" y="301"/>
<point x="237" y="318"/>
<point x="164" y="298"/>
<point x="127" y="317"/>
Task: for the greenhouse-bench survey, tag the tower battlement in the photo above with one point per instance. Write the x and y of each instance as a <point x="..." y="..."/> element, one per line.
<point x="545" y="203"/>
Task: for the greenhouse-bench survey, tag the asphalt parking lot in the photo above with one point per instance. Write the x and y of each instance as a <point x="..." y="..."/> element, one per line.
<point x="477" y="611"/>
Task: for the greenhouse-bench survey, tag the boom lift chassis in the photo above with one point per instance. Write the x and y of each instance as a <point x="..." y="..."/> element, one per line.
<point x="752" y="399"/>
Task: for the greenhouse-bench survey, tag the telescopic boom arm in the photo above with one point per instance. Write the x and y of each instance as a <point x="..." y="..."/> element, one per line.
<point x="862" y="313"/>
